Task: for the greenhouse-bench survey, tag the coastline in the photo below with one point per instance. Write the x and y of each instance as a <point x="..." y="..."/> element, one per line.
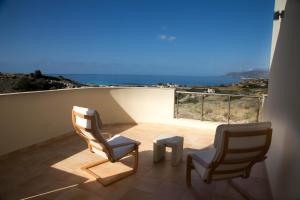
<point x="204" y="84"/>
<point x="149" y="80"/>
<point x="17" y="82"/>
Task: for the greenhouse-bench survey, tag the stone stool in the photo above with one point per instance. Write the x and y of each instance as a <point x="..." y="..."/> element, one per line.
<point x="159" y="148"/>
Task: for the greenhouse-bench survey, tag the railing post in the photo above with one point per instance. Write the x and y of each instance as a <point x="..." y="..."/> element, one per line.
<point x="229" y="105"/>
<point x="260" y="101"/>
<point x="202" y="104"/>
<point x="177" y="103"/>
<point x="258" y="109"/>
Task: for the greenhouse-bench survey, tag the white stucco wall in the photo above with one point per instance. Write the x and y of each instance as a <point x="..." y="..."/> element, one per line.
<point x="279" y="6"/>
<point x="33" y="117"/>
<point x="283" y="106"/>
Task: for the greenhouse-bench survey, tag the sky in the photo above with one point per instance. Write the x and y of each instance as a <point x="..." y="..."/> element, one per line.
<point x="200" y="37"/>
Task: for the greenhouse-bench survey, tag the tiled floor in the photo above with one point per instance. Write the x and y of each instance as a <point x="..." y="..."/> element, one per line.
<point x="52" y="171"/>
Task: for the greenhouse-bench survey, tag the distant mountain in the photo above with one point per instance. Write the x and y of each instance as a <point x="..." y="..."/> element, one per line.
<point x="257" y="73"/>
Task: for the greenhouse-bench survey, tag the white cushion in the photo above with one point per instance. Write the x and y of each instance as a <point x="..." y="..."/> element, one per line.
<point x="85" y="123"/>
<point x="84" y="111"/>
<point x="219" y="137"/>
<point x="213" y="154"/>
<point x="119" y="152"/>
<point x="238" y="127"/>
<point x="207" y="156"/>
<point x="247" y="142"/>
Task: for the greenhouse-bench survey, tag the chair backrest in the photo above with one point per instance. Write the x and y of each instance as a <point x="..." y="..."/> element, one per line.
<point x="238" y="148"/>
<point x="87" y="124"/>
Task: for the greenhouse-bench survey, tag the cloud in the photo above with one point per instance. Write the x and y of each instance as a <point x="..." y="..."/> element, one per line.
<point x="163" y="37"/>
<point x="169" y="38"/>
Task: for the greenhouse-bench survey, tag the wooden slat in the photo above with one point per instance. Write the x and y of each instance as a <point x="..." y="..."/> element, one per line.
<point x="249" y="133"/>
<point x="236" y="161"/>
<point x="83" y="116"/>
<point x="229" y="171"/>
<point x="245" y="150"/>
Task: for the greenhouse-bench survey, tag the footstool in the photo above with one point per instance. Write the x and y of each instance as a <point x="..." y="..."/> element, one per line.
<point x="159" y="148"/>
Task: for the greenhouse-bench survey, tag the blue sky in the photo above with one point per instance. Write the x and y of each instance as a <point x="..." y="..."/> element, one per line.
<point x="135" y="36"/>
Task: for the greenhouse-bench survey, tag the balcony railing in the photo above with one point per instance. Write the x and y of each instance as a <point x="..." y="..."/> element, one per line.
<point x="218" y="107"/>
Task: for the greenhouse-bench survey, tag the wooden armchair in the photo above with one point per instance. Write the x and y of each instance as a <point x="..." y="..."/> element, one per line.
<point x="237" y="148"/>
<point x="87" y="124"/>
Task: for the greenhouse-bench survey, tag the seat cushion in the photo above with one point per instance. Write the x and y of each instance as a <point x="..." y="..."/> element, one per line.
<point x="119" y="152"/>
<point x="207" y="156"/>
<point x="87" y="123"/>
<point x="238" y="127"/>
<point x="246" y="142"/>
<point x="84" y="111"/>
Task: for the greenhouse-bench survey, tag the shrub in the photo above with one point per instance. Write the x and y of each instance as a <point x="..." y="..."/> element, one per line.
<point x="41" y="84"/>
<point x="208" y="110"/>
<point x="225" y="115"/>
<point x="23" y="84"/>
<point x="37" y="74"/>
<point x="30" y="84"/>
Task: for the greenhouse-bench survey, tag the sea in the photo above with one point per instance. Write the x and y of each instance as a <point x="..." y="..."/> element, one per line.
<point x="148" y="80"/>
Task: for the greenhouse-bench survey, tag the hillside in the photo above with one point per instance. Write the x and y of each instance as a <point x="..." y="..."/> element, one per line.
<point x="36" y="81"/>
<point x="257" y="74"/>
<point x="244" y="87"/>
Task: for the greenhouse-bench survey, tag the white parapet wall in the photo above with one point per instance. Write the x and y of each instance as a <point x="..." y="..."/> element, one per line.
<point x="32" y="117"/>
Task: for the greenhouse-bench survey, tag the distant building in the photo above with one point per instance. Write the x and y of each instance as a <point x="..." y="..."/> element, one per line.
<point x="210" y="90"/>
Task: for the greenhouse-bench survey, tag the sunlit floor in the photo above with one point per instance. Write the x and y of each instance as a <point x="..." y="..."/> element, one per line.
<point x="52" y="171"/>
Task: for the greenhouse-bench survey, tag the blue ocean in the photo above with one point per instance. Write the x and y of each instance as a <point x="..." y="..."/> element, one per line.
<point x="108" y="79"/>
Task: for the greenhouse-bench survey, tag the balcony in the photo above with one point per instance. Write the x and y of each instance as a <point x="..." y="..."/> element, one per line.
<point x="41" y="156"/>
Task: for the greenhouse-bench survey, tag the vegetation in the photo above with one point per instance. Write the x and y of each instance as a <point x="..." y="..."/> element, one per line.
<point x="216" y="108"/>
<point x="33" y="82"/>
<point x="244" y="87"/>
<point x="211" y="107"/>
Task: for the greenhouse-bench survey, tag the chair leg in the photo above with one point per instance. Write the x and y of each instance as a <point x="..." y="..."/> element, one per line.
<point x="87" y="167"/>
<point x="189" y="167"/>
<point x="242" y="192"/>
<point x="136" y="159"/>
<point x="115" y="178"/>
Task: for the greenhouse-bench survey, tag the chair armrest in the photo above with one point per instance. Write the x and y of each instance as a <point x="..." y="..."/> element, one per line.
<point x="123" y="144"/>
<point x="200" y="161"/>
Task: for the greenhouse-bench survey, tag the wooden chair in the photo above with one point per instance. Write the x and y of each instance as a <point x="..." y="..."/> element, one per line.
<point x="87" y="124"/>
<point x="236" y="149"/>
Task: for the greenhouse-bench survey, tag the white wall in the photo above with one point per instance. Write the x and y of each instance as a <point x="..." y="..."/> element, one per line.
<point x="279" y="6"/>
<point x="283" y="107"/>
<point x="33" y="117"/>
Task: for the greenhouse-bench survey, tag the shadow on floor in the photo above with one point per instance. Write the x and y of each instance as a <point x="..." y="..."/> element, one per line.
<point x="53" y="172"/>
